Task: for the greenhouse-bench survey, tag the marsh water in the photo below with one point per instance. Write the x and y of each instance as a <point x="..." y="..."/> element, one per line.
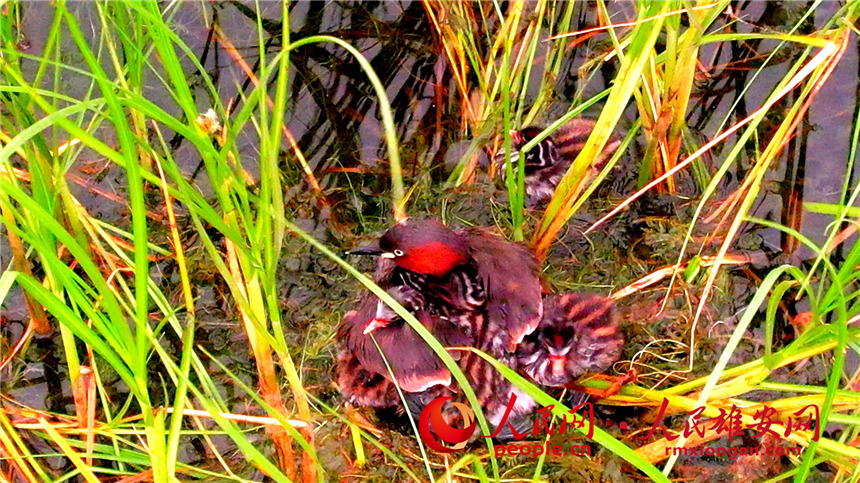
<point x="332" y="112"/>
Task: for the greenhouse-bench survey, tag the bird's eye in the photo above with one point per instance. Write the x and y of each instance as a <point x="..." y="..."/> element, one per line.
<point x="398" y="253"/>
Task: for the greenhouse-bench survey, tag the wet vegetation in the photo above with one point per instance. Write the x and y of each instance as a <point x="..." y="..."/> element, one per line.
<point x="179" y="183"/>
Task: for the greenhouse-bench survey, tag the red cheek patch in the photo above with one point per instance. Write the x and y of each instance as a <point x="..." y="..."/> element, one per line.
<point x="432" y="258"/>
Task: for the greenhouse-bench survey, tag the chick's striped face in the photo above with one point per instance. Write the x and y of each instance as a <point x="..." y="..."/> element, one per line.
<point x="543" y="155"/>
<point x="556" y="342"/>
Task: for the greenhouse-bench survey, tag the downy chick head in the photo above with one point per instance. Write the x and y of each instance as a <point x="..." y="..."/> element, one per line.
<point x="577" y="334"/>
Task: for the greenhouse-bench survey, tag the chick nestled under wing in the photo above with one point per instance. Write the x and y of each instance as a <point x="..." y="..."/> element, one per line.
<point x="578" y="334"/>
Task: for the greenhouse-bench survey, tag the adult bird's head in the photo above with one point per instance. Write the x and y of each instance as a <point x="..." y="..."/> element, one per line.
<point x="422" y="246"/>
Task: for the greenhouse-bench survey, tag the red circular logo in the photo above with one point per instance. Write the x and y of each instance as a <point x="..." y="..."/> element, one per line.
<point x="432" y="414"/>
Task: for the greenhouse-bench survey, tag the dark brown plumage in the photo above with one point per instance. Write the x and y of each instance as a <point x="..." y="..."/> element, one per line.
<point x="360" y="386"/>
<point x="466" y="272"/>
<point x="578" y="334"/>
<point x="470" y="288"/>
<point x="362" y="373"/>
<point x="545" y="164"/>
<point x="364" y="379"/>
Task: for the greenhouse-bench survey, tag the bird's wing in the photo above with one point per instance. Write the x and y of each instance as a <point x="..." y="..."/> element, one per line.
<point x="361" y="386"/>
<point x="512" y="282"/>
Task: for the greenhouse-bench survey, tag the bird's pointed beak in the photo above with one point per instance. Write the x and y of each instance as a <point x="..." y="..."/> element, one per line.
<point x="556" y="364"/>
<point x="375" y="323"/>
<point x="372" y="249"/>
